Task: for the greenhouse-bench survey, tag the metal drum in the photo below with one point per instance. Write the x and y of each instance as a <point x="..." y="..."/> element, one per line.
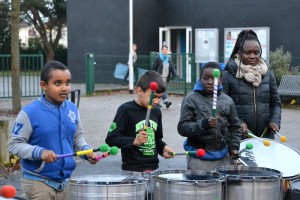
<point x="278" y="156"/>
<point x="251" y="183"/>
<point x="108" y="187"/>
<point x="187" y="185"/>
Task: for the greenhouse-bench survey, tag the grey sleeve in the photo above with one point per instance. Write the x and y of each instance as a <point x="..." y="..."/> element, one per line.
<point x="79" y="140"/>
<point x="18" y="143"/>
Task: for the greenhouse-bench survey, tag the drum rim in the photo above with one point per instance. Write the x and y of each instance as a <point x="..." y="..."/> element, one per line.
<point x="240" y="167"/>
<point x="219" y="176"/>
<point x="128" y="179"/>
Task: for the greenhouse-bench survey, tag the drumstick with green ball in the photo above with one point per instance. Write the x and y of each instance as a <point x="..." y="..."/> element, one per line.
<point x="265" y="142"/>
<point x="248" y="147"/>
<point x="216" y="75"/>
<point x="113" y="151"/>
<point x="102" y="148"/>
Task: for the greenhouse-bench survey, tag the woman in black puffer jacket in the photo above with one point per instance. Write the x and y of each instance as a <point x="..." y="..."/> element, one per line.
<point x="247" y="80"/>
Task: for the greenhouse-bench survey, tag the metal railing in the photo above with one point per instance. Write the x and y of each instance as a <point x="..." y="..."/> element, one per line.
<point x="30" y="68"/>
<point x="102" y="69"/>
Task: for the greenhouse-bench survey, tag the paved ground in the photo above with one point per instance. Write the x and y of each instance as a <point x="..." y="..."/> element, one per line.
<point x="97" y="113"/>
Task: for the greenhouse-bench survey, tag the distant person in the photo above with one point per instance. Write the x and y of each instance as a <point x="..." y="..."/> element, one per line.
<point x="135" y="69"/>
<point x="163" y="65"/>
<point x="219" y="136"/>
<point x="139" y="147"/>
<point x="46" y="127"/>
<point x="252" y="87"/>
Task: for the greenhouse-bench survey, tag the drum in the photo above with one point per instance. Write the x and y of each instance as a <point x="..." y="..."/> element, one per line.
<point x="107" y="187"/>
<point x="187" y="185"/>
<point x="293" y="193"/>
<point x="278" y="156"/>
<point x="250" y="183"/>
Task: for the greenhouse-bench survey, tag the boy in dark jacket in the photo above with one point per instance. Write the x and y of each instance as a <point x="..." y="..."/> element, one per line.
<point x="218" y="135"/>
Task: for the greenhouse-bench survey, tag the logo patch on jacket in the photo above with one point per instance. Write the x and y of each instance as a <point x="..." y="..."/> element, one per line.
<point x="72" y="116"/>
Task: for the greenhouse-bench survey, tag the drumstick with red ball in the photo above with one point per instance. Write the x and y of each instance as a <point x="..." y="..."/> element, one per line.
<point x="199" y="153"/>
<point x="265" y="142"/>
<point x="216" y="75"/>
<point x="153" y="86"/>
<point x="8" y="191"/>
<point x="282" y="138"/>
<point x="113" y="151"/>
<point x="102" y="148"/>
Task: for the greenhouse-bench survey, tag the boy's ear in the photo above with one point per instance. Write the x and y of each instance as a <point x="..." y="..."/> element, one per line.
<point x="43" y="85"/>
<point x="138" y="90"/>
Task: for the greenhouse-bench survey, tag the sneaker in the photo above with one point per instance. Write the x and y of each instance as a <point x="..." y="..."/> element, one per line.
<point x="168" y="104"/>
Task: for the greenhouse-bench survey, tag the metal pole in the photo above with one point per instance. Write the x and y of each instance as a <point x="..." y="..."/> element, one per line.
<point x="130" y="66"/>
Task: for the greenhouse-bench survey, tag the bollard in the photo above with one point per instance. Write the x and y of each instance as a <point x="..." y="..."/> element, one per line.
<point x="90" y="73"/>
<point x="4" y="137"/>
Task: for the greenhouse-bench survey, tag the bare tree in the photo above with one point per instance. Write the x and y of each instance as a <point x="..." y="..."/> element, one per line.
<point x="15" y="56"/>
<point x="48" y="18"/>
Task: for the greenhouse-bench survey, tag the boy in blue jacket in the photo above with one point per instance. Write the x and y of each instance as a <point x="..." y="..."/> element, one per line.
<point x="46" y="127"/>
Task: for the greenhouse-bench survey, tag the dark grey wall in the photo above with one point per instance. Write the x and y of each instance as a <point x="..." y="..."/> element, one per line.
<point x="282" y="17"/>
<point x="102" y="26"/>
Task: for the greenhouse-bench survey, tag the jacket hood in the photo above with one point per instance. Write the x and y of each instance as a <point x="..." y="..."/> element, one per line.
<point x="198" y="86"/>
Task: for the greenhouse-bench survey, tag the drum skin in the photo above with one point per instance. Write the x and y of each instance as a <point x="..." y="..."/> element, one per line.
<point x="251" y="183"/>
<point x="187" y="185"/>
<point x="107" y="187"/>
<point x="278" y="156"/>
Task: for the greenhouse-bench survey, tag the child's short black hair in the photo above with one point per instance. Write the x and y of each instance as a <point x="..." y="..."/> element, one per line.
<point x="151" y="76"/>
<point x="212" y="65"/>
<point x="49" y="67"/>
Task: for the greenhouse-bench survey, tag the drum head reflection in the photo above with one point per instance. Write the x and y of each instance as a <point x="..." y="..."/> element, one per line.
<point x="277" y="156"/>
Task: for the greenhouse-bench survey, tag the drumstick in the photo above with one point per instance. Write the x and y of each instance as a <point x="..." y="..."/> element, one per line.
<point x="102" y="148"/>
<point x="153" y="86"/>
<point x="282" y="138"/>
<point x="265" y="142"/>
<point x="248" y="146"/>
<point x="216" y="75"/>
<point x="199" y="153"/>
<point x="113" y="151"/>
<point x="8" y="191"/>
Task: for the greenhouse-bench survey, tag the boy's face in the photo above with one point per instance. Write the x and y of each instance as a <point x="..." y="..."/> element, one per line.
<point x="58" y="86"/>
<point x="144" y="97"/>
<point x="207" y="80"/>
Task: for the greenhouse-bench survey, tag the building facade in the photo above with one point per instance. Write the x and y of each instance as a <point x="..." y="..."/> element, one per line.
<point x="102" y="27"/>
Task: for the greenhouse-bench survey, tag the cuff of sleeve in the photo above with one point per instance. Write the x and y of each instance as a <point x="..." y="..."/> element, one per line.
<point x="86" y="147"/>
<point x="205" y="124"/>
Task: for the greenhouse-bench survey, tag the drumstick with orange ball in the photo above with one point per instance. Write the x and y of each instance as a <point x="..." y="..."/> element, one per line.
<point x="282" y="138"/>
<point x="265" y="142"/>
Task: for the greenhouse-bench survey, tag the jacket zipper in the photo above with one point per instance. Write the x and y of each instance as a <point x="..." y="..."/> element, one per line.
<point x="254" y="103"/>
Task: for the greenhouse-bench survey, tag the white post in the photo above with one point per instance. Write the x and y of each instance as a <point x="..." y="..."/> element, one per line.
<point x="130" y="66"/>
